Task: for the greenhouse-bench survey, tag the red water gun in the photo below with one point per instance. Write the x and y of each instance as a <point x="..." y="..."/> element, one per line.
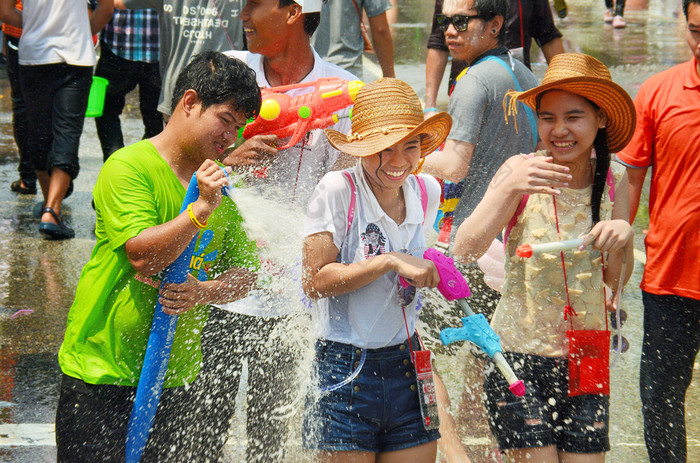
<point x="286" y="116"/>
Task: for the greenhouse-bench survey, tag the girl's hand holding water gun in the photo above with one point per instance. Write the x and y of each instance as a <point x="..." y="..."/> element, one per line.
<point x="608" y="235"/>
<point x="420" y="272"/>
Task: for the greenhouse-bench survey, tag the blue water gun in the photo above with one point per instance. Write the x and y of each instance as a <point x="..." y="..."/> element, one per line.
<point x="160" y="341"/>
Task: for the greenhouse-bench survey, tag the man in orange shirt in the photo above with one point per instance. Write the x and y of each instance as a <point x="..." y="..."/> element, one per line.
<point x="667" y="137"/>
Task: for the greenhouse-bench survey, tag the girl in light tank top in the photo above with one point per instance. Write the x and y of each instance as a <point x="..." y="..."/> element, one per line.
<point x="562" y="193"/>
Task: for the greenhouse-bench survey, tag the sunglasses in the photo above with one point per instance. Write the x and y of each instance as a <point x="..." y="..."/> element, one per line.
<point x="459" y="21"/>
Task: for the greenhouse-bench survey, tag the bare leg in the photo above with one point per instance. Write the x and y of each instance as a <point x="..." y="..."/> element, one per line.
<point x="44" y="180"/>
<point x="345" y="457"/>
<point x="449" y="442"/>
<point x="58" y="185"/>
<point x="566" y="457"/>
<point x="424" y="453"/>
<point x="535" y="455"/>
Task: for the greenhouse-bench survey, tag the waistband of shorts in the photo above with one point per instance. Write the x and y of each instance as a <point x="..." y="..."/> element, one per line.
<point x="342" y="348"/>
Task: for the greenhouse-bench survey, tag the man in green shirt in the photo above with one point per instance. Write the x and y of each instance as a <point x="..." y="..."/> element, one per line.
<point x="139" y="232"/>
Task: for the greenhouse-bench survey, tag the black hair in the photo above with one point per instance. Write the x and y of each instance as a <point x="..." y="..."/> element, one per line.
<point x="488" y="9"/>
<point x="381" y="161"/>
<point x="602" y="164"/>
<point x="311" y="20"/>
<point x="687" y="3"/>
<point x="219" y="79"/>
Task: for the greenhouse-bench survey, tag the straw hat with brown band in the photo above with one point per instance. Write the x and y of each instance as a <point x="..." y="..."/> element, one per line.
<point x="586" y="76"/>
<point x="386" y="112"/>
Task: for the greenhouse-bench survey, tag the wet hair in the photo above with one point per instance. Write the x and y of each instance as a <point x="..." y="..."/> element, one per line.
<point x="489" y="9"/>
<point x="602" y="164"/>
<point x="219" y="79"/>
<point x="687" y="3"/>
<point x="311" y="20"/>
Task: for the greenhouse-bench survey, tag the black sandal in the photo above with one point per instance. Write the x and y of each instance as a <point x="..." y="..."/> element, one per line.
<point x="55" y="231"/>
<point x="17" y="187"/>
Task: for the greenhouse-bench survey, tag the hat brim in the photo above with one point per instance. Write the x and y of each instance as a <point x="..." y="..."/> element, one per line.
<point x="433" y="132"/>
<point x="610" y="97"/>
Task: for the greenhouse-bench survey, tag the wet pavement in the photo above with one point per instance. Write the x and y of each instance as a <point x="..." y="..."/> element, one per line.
<point x="38" y="277"/>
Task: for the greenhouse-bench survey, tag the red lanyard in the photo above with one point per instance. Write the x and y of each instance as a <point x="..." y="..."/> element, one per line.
<point x="569" y="311"/>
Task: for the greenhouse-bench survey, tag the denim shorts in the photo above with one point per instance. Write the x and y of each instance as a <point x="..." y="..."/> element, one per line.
<point x="378" y="411"/>
<point x="546" y="415"/>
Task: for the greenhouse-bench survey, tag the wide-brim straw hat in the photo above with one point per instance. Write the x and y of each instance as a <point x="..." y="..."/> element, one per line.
<point x="586" y="76"/>
<point x="386" y="112"/>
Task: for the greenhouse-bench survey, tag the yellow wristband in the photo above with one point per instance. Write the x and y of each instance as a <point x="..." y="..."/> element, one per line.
<point x="194" y="220"/>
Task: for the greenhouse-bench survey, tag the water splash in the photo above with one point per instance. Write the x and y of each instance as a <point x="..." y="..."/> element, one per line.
<point x="276" y="224"/>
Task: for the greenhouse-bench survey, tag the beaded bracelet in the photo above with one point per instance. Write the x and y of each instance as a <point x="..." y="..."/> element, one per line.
<point x="194" y="220"/>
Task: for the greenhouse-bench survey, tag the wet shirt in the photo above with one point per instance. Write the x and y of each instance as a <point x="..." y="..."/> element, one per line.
<point x="110" y="319"/>
<point x="295" y="172"/>
<point x="530" y="315"/>
<point x="667" y="139"/>
<point x="369" y="317"/>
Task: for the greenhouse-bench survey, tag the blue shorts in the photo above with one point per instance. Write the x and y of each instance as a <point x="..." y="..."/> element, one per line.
<point x="546" y="415"/>
<point x="377" y="412"/>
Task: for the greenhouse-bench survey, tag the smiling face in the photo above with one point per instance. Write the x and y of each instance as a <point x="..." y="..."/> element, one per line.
<point x="692" y="32"/>
<point x="264" y="23"/>
<point x="476" y="40"/>
<point x="388" y="169"/>
<point x="568" y="125"/>
<point x="213" y="129"/>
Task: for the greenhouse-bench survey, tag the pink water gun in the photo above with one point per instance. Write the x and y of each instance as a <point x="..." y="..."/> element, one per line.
<point x="475" y="327"/>
<point x="287" y="116"/>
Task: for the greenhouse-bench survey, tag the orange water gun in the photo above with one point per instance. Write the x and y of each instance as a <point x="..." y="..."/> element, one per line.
<point x="286" y="116"/>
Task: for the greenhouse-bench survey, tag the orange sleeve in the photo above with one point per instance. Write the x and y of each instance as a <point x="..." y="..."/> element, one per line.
<point x="639" y="152"/>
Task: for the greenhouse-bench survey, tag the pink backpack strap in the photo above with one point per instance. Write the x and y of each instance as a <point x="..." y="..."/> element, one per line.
<point x="610" y="180"/>
<point x="351" y="209"/>
<point x="423" y="195"/>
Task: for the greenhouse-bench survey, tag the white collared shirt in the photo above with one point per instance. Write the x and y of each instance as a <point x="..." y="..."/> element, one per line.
<point x="369" y="317"/>
<point x="294" y="173"/>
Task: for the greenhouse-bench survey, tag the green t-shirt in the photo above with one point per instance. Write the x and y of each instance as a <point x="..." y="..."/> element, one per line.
<point x="110" y="319"/>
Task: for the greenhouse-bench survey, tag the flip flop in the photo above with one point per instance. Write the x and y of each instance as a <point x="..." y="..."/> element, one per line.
<point x="17" y="187"/>
<point x="55" y="231"/>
